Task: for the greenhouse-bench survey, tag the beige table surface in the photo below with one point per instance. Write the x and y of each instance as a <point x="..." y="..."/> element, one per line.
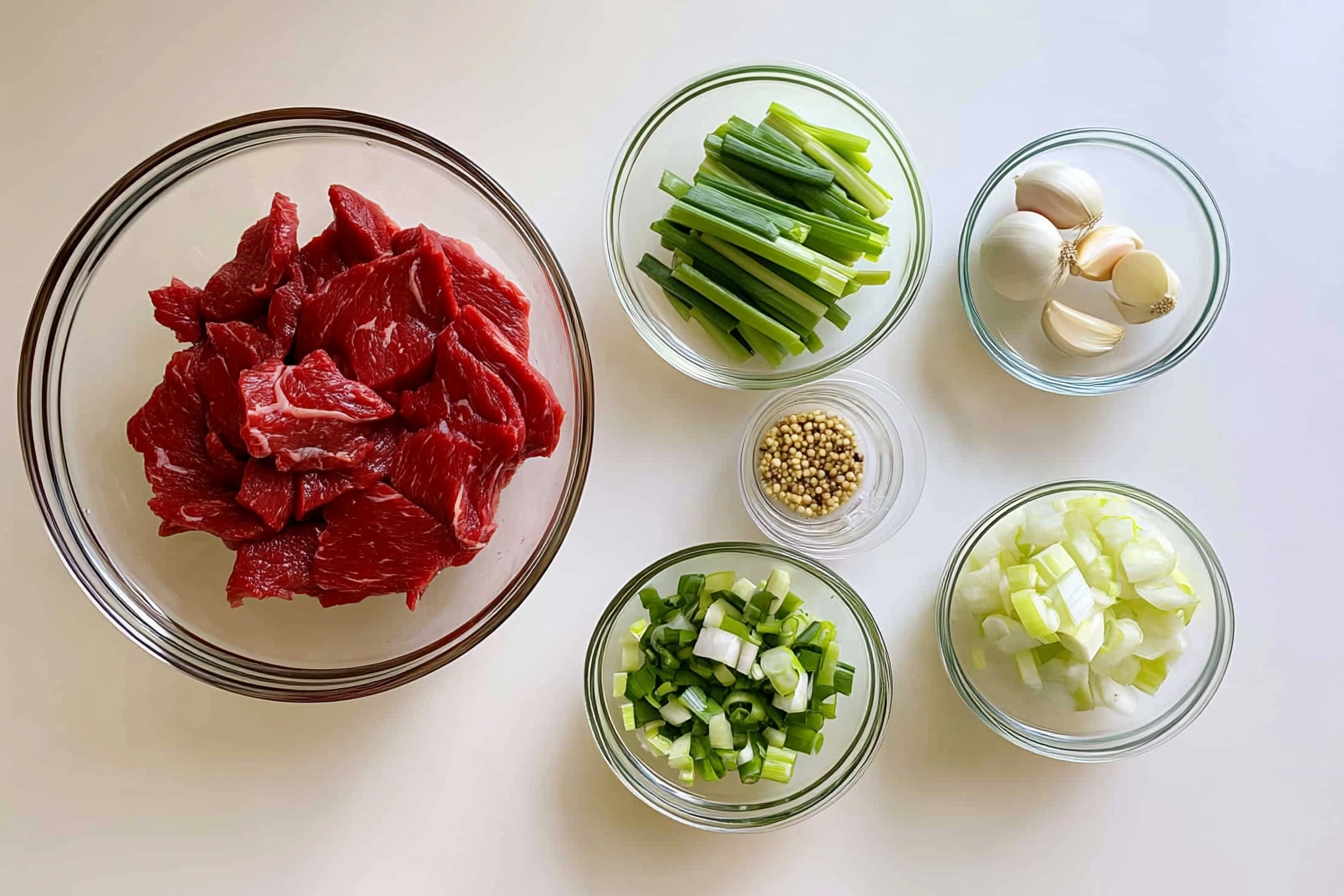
<point x="119" y="775"/>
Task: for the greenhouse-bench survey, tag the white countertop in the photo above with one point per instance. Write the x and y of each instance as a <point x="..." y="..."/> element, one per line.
<point x="119" y="775"/>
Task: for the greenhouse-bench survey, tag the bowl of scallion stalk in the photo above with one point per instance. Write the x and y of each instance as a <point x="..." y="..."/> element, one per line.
<point x="765" y="227"/>
<point x="735" y="686"/>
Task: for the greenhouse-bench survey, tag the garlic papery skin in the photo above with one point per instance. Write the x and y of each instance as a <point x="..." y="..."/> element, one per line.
<point x="1024" y="257"/>
<point x="1068" y="197"/>
<point x="1077" y="334"/>
<point x="1100" y="249"/>
<point x="1144" y="287"/>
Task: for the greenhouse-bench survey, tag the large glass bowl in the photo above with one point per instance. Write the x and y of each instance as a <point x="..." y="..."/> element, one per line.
<point x="728" y="805"/>
<point x="93" y="353"/>
<point x="1031" y="721"/>
<point x="672" y="137"/>
<point x="1146" y="187"/>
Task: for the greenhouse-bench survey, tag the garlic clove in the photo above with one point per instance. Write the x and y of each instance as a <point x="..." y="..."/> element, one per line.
<point x="1100" y="249"/>
<point x="1077" y="334"/>
<point x="1024" y="257"/>
<point x="1068" y="197"/>
<point x="1142" y="314"/>
<point x="1145" y="287"/>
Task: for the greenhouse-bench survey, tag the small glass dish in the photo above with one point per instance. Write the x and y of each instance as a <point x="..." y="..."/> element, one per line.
<point x="1144" y="186"/>
<point x="892" y="447"/>
<point x="852" y="737"/>
<point x="671" y="137"/>
<point x="1037" y="724"/>
<point x="93" y="353"/>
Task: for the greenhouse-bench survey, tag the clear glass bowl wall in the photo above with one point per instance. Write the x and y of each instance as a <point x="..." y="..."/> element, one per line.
<point x="93" y="353"/>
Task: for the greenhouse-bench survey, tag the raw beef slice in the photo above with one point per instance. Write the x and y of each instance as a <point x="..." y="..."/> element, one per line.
<point x="378" y="542"/>
<point x="470" y="397"/>
<point x="308" y="417"/>
<point x="542" y="413"/>
<point x="191" y="491"/>
<point x="178" y="307"/>
<point x="363" y="229"/>
<point x="233" y="348"/>
<point x="320" y="259"/>
<point x="382" y="317"/>
<point x="278" y="566"/>
<point x="282" y="316"/>
<point x="268" y="493"/>
<point x="318" y="487"/>
<point x="239" y="289"/>
<point x="477" y="283"/>
<point x="433" y="468"/>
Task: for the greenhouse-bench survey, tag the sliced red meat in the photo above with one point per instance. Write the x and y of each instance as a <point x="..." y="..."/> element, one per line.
<point x="233" y="347"/>
<point x="470" y="397"/>
<point x="320" y="259"/>
<point x="542" y="413"/>
<point x="167" y="529"/>
<point x="178" y="307"/>
<point x="476" y="283"/>
<point x="378" y="542"/>
<point x="216" y="512"/>
<point x="309" y="417"/>
<point x="363" y="229"/>
<point x="382" y="317"/>
<point x="239" y="289"/>
<point x="282" y="316"/>
<point x="480" y="501"/>
<point x="191" y="491"/>
<point x="319" y="487"/>
<point x="268" y="493"/>
<point x="224" y="458"/>
<point x="278" y="566"/>
<point x="432" y="468"/>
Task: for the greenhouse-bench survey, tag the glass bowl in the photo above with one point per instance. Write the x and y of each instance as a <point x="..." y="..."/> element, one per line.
<point x="1033" y="722"/>
<point x="93" y="353"/>
<point x="728" y="805"/>
<point x="892" y="448"/>
<point x="671" y="137"/>
<point x="1146" y="187"/>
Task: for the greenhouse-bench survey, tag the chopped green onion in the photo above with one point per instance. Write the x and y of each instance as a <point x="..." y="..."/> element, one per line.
<point x="779" y="764"/>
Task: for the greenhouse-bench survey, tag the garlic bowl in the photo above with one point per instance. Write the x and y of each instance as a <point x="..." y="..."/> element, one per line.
<point x="1147" y="188"/>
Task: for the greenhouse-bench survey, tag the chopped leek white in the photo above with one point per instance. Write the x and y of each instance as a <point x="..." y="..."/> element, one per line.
<point x="1079" y="594"/>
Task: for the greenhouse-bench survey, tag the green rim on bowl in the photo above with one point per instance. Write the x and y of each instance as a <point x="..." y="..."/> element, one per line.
<point x="1012" y="361"/>
<point x="766" y="807"/>
<point x="1099" y="747"/>
<point x="901" y="291"/>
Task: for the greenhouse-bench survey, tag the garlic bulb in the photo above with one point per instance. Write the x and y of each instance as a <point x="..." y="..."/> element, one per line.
<point x="1067" y="196"/>
<point x="1024" y="257"/>
<point x="1145" y="287"/>
<point x="1100" y="249"/>
<point x="1078" y="334"/>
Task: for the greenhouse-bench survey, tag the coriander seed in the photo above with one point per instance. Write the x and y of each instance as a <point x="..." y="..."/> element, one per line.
<point x="810" y="463"/>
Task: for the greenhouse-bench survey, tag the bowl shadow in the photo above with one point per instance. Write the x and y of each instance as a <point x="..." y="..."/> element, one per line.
<point x="954" y="780"/>
<point x="975" y="396"/>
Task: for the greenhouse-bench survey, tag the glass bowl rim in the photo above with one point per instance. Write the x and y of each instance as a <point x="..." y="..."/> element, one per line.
<point x="1104" y="747"/>
<point x="782" y="812"/>
<point x="689" y="362"/>
<point x="904" y="500"/>
<point x="1011" y="361"/>
<point x="40" y="370"/>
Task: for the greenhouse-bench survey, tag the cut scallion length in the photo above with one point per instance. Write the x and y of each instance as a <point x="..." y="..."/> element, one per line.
<point x="766" y="240"/>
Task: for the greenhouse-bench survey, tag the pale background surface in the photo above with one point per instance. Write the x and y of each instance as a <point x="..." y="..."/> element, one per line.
<point x="121" y="776"/>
